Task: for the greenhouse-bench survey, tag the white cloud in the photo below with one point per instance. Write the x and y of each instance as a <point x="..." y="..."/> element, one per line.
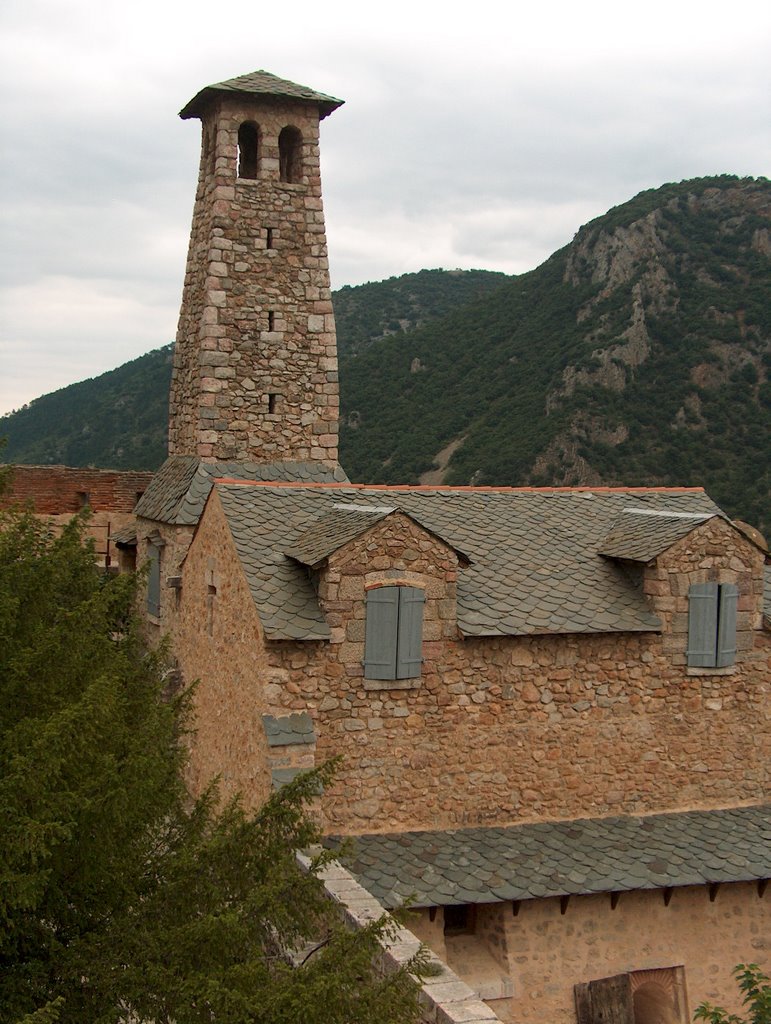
<point x="471" y="137"/>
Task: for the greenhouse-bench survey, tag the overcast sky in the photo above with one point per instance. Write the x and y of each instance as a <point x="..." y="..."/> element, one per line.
<point x="473" y="135"/>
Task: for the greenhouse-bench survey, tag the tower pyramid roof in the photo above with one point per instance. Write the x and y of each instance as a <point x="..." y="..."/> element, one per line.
<point x="260" y="83"/>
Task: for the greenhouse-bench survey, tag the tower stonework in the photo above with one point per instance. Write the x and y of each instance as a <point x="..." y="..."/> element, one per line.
<point x="255" y="362"/>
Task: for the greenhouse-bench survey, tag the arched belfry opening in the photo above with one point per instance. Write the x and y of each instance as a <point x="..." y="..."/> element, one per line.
<point x="248" y="150"/>
<point x="290" y="143"/>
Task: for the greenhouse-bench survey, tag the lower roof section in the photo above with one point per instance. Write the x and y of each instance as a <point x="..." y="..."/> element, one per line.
<point x="562" y="858"/>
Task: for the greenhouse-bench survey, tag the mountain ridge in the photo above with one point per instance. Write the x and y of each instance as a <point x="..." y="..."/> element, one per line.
<point x="640" y="353"/>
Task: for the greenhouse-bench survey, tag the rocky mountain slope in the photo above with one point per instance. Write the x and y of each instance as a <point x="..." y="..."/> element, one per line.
<point x="638" y="354"/>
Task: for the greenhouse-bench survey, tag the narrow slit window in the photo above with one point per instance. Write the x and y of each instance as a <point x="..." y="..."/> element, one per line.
<point x="154" y="580"/>
<point x="272" y="403"/>
<point x="248" y="150"/>
<point x="271" y="321"/>
<point x="211" y="594"/>
<point x="269" y="238"/>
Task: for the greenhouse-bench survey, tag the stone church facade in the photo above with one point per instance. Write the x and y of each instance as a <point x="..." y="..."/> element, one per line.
<point x="550" y="705"/>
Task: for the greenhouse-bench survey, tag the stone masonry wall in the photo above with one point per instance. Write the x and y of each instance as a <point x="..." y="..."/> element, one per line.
<point x="526" y="728"/>
<point x="715" y="553"/>
<point x="496" y="730"/>
<point x="226" y="653"/>
<point x="57" y="490"/>
<point x="548" y="952"/>
<point x="255" y="365"/>
<point x="551" y="952"/>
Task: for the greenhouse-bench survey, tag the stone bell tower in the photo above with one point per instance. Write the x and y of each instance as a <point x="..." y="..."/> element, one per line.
<point x="255" y="362"/>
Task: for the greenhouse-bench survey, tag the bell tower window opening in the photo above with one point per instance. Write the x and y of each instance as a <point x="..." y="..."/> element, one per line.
<point x="248" y="150"/>
<point x="289" y="154"/>
<point x="209" y="155"/>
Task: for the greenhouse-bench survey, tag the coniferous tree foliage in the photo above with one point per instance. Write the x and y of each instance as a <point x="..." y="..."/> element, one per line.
<point x="120" y="901"/>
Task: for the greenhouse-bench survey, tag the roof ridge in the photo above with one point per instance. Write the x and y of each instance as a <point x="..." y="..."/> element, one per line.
<point x="335" y="485"/>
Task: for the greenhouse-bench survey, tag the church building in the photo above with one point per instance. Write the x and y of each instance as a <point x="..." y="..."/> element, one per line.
<point x="551" y="705"/>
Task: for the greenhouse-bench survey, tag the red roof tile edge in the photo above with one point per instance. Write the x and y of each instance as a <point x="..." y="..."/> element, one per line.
<point x="336" y="485"/>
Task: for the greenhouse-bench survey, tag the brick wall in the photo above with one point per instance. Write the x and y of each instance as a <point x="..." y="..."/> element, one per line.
<point x="59" y="492"/>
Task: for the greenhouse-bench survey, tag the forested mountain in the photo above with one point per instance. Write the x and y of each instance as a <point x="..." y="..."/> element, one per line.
<point x="638" y="354"/>
<point x="119" y="419"/>
<point x="115" y="421"/>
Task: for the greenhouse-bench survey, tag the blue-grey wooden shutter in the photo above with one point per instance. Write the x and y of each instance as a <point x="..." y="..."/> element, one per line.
<point x="726" y="630"/>
<point x="409" y="647"/>
<point x="702" y="625"/>
<point x="381" y="633"/>
<point x="154" y="580"/>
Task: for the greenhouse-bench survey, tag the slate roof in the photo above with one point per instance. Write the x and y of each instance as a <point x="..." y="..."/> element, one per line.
<point x="178" y="491"/>
<point x="127" y="537"/>
<point x="535" y="566"/>
<point x="261" y="83"/>
<point x="333" y="529"/>
<point x="561" y="858"/>
<point x="641" y="535"/>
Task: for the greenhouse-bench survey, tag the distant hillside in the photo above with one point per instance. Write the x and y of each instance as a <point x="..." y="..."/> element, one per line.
<point x="119" y="419"/>
<point x="638" y="354"/>
<point x="369" y="312"/>
<point x="115" y="421"/>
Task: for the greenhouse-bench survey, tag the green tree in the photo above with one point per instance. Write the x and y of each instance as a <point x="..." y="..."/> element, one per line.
<point x="119" y="900"/>
<point x="756" y="992"/>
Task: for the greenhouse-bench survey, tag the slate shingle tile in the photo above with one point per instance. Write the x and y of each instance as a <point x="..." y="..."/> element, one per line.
<point x="560" y="858"/>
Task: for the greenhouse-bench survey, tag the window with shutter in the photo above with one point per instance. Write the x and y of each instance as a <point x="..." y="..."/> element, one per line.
<point x="712" y="625"/>
<point x="393" y="645"/>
